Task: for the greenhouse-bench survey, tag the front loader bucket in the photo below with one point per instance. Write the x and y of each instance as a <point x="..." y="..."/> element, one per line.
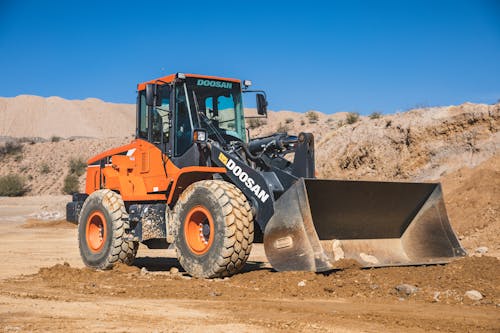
<point x="318" y="222"/>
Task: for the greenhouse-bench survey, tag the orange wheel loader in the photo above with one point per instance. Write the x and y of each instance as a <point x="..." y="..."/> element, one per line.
<point x="193" y="180"/>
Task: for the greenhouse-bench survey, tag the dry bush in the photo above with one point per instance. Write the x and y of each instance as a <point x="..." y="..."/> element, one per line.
<point x="288" y="120"/>
<point x="255" y="122"/>
<point x="55" y="138"/>
<point x="352" y="117"/>
<point x="12" y="186"/>
<point x="11" y="148"/>
<point x="71" y="184"/>
<point x="312" y="116"/>
<point x="44" y="168"/>
<point x="375" y="115"/>
<point x="77" y="166"/>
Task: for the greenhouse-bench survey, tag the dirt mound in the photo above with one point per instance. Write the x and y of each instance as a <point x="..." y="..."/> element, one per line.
<point x="34" y="116"/>
<point x="446" y="284"/>
<point x="471" y="197"/>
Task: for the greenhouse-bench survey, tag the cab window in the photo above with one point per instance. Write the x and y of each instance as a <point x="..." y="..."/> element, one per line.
<point x="142" y="116"/>
<point x="160" y="117"/>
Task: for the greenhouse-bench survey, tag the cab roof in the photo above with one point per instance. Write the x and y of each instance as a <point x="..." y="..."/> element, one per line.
<point x="171" y="77"/>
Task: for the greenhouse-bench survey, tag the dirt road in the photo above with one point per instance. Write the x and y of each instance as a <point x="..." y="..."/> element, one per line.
<point x="44" y="287"/>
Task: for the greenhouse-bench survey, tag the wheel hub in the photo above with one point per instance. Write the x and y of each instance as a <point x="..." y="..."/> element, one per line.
<point x="95" y="231"/>
<point x="198" y="230"/>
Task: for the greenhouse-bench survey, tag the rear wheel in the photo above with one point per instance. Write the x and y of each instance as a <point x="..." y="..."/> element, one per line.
<point x="101" y="228"/>
<point x="214" y="229"/>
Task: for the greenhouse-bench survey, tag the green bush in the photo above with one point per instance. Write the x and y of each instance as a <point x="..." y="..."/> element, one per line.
<point x="352" y="117"/>
<point x="71" y="184"/>
<point x="55" y="138"/>
<point x="375" y="115"/>
<point x="44" y="168"/>
<point x="12" y="186"/>
<point x="77" y="166"/>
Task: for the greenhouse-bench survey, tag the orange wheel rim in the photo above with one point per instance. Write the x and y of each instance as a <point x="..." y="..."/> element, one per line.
<point x="96" y="231"/>
<point x="199" y="230"/>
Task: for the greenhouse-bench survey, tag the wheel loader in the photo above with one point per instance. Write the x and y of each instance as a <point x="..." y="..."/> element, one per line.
<point x="192" y="179"/>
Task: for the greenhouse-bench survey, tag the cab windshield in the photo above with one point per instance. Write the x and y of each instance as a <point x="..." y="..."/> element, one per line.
<point x="219" y="103"/>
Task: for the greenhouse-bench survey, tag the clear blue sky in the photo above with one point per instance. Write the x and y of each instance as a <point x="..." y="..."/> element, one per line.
<point x="329" y="56"/>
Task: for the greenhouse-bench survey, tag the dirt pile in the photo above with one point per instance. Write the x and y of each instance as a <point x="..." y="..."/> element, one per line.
<point x="472" y="202"/>
<point x="446" y="284"/>
<point x="34" y="116"/>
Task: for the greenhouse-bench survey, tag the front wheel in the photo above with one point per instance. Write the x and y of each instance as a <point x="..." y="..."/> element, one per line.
<point x="101" y="228"/>
<point x="213" y="229"/>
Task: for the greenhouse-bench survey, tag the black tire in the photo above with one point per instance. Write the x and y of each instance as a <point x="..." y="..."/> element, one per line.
<point x="229" y="242"/>
<point x="101" y="227"/>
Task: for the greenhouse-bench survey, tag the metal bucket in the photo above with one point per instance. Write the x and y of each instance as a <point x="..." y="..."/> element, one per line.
<point x="318" y="222"/>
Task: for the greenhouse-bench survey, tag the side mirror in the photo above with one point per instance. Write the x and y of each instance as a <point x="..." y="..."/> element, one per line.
<point x="261" y="104"/>
<point x="153" y="95"/>
<point x="150" y="94"/>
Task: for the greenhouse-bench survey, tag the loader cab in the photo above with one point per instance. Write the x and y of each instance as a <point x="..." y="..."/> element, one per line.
<point x="171" y="108"/>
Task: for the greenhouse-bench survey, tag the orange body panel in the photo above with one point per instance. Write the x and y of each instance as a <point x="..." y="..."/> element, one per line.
<point x="140" y="172"/>
<point x="171" y="77"/>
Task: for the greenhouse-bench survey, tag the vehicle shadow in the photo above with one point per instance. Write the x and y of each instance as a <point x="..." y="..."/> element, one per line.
<point x="162" y="264"/>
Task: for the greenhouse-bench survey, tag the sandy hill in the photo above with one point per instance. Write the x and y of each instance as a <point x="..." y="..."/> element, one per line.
<point x="34" y="116"/>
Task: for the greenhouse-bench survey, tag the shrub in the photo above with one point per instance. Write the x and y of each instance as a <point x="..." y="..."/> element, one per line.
<point x="55" y="138"/>
<point x="44" y="168"/>
<point x="312" y="116"/>
<point x="302" y="122"/>
<point x="255" y="122"/>
<point x="71" y="184"/>
<point x="288" y="120"/>
<point x="11" y="148"/>
<point x="352" y="117"/>
<point x="77" y="166"/>
<point x="375" y="115"/>
<point x="12" y="186"/>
